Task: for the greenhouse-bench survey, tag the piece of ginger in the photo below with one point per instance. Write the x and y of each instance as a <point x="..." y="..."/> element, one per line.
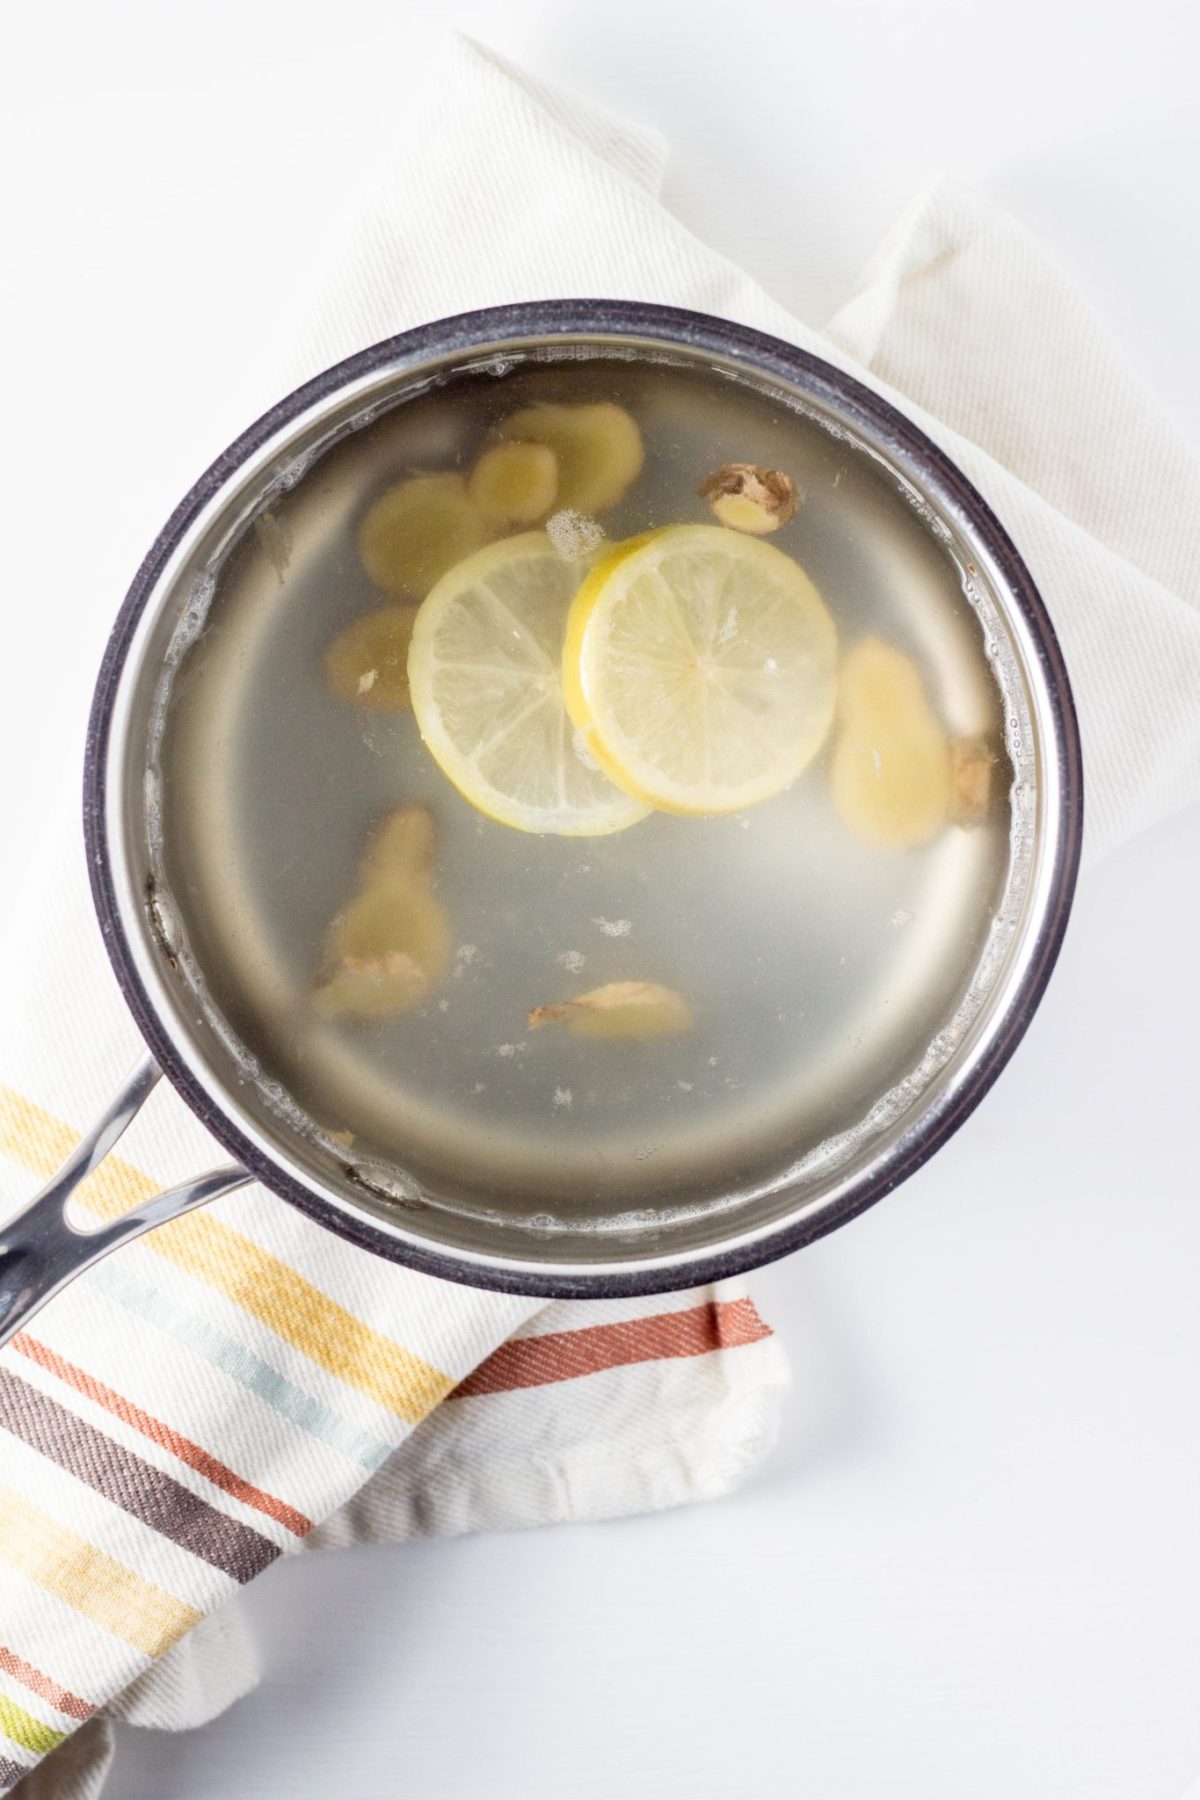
<point x="749" y="498"/>
<point x="367" y="664"/>
<point x="401" y="849"/>
<point x="971" y="764"/>
<point x="388" y="947"/>
<point x="416" y="531"/>
<point x="620" y="1009"/>
<point x="598" y="446"/>
<point x="897" y="778"/>
<point x="514" y="483"/>
<point x="891" y="759"/>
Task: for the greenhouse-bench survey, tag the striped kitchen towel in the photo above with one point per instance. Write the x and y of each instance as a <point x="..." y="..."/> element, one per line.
<point x="239" y="1384"/>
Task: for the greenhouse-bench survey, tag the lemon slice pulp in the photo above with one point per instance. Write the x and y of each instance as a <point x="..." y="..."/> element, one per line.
<point x="485" y="674"/>
<point x="699" y="666"/>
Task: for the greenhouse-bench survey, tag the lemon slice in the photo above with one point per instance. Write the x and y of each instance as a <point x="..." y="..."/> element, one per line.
<point x="699" y="665"/>
<point x="485" y="674"/>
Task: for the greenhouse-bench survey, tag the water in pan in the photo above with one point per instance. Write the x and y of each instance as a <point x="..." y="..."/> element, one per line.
<point x="827" y="976"/>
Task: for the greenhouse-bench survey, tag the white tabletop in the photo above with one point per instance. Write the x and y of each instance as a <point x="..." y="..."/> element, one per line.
<point x="972" y="1569"/>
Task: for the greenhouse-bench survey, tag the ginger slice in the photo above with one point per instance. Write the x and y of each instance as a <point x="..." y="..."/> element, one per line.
<point x="401" y="849"/>
<point x="388" y="947"/>
<point x="416" y="531"/>
<point x="897" y="779"/>
<point x="514" y="483"/>
<point x="620" y="1009"/>
<point x="749" y="498"/>
<point x="598" y="446"/>
<point x="367" y="664"/>
<point x="971" y="765"/>
<point x="891" y="767"/>
<point x="378" y="987"/>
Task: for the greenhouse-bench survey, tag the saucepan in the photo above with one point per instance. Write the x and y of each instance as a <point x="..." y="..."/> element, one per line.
<point x="174" y="879"/>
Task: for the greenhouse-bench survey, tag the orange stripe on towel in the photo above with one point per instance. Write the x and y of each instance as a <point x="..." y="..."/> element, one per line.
<point x="566" y="1355"/>
<point x="61" y="1698"/>
<point x="173" y="1441"/>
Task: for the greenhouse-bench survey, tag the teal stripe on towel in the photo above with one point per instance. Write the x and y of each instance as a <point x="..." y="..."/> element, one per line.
<point x="114" y="1278"/>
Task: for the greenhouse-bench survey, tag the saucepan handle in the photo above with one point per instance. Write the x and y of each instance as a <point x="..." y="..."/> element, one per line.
<point x="41" y="1249"/>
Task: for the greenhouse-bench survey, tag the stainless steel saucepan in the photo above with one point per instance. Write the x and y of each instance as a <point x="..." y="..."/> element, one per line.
<point x="503" y="1240"/>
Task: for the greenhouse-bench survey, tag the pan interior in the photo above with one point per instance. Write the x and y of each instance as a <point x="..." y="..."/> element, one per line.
<point x="836" y="986"/>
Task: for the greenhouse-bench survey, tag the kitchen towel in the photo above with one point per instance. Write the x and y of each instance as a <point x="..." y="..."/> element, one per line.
<point x="239" y="1385"/>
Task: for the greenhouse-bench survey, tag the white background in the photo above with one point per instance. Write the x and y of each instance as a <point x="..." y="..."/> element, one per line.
<point x="972" y="1569"/>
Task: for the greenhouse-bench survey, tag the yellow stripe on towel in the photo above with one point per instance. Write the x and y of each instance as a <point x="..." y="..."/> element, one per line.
<point x="41" y="1143"/>
<point x="87" y="1579"/>
<point x="20" y="1727"/>
<point x="213" y="1252"/>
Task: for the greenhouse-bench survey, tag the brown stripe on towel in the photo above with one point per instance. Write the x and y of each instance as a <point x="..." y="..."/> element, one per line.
<point x="130" y="1482"/>
<point x="192" y="1454"/>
